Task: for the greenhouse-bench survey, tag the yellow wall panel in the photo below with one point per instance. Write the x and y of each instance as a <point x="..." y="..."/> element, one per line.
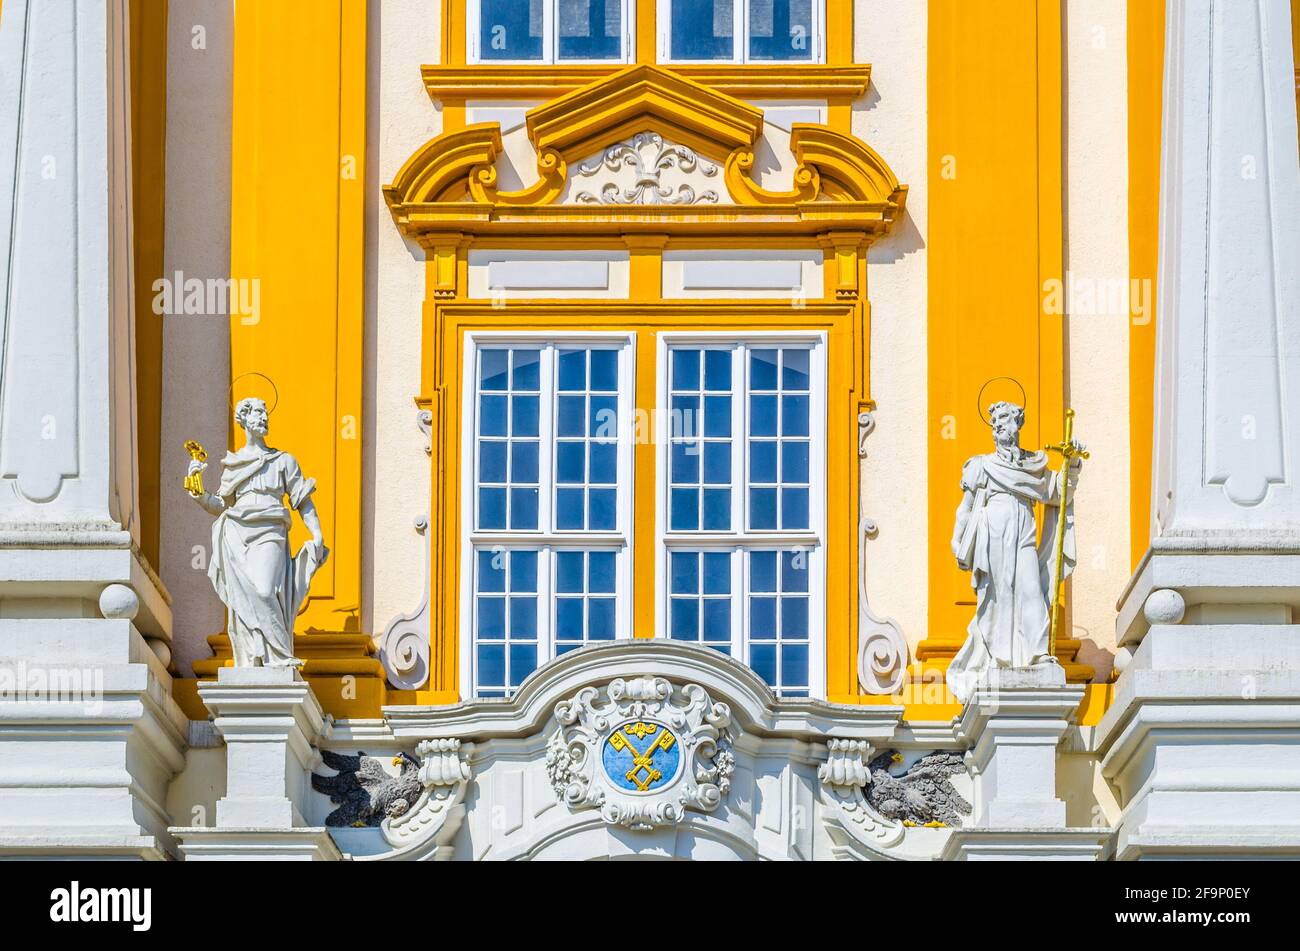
<point x="995" y="240"/>
<point x="297" y="210"/>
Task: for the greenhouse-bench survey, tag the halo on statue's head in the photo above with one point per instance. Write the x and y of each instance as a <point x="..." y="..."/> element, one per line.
<point x="262" y="395"/>
<point x="979" y="401"/>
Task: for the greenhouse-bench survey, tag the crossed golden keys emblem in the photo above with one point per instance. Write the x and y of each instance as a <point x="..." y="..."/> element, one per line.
<point x="642" y="760"/>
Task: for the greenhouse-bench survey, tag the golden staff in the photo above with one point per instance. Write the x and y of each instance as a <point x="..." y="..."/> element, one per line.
<point x="1068" y="451"/>
<point x="194" y="483"/>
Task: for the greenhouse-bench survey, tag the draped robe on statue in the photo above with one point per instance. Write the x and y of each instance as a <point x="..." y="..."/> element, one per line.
<point x="254" y="484"/>
<point x="1011" y="574"/>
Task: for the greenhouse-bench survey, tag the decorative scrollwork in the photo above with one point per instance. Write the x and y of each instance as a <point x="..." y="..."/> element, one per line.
<point x="649" y="156"/>
<point x="882" y="646"/>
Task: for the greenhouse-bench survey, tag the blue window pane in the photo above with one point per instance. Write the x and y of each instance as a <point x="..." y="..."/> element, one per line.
<point x="794" y="572"/>
<point x="762" y="509"/>
<point x="684" y="623"/>
<point x="717" y="415"/>
<point x="717" y="370"/>
<point x="717" y="572"/>
<point x="685" y="571"/>
<point x="762" y="657"/>
<point x="523" y="618"/>
<point x="685" y="462"/>
<point x="510" y="30"/>
<point x="568" y="571"/>
<point x="686" y="416"/>
<point x="762" y="571"/>
<point x="604" y="417"/>
<point x="780" y="30"/>
<point x="703" y="29"/>
<point x="685" y="507"/>
<point x="492" y="462"/>
<point x="604" y="510"/>
<point x="794" y="508"/>
<point x="762" y="462"/>
<point x="717" y="619"/>
<point x="600" y="572"/>
<point x="571" y="417"/>
<point x="794" y="370"/>
<point x="523" y="421"/>
<point x="571" y="462"/>
<point x="590" y="29"/>
<point x="492" y="665"/>
<point x="523" y="661"/>
<point x="527" y="372"/>
<point x="604" y="371"/>
<point x="568" y="509"/>
<point x="762" y="415"/>
<point x="491" y="618"/>
<point x="491" y="571"/>
<point x="794" y="665"/>
<point x="600" y="619"/>
<point x="492" y="416"/>
<point x="562" y="649"/>
<point x="794" y="415"/>
<point x="568" y="619"/>
<point x="523" y="509"/>
<point x="717" y="510"/>
<point x="523" y="462"/>
<point x="794" y="618"/>
<point x="491" y="508"/>
<point x="604" y="463"/>
<point x="686" y="369"/>
<point x="523" y="571"/>
<point x="794" y="463"/>
<point x="762" y="619"/>
<point x="573" y="370"/>
<point x="717" y="463"/>
<point x="762" y="369"/>
<point x="494" y="367"/>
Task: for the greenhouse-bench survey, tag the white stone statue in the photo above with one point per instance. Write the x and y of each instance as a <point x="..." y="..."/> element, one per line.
<point x="995" y="539"/>
<point x="262" y="587"/>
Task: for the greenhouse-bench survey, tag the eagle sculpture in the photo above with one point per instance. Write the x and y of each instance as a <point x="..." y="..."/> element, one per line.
<point x="364" y="791"/>
<point x="921" y="795"/>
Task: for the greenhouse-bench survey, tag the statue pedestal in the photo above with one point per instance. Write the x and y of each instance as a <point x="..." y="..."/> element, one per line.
<point x="1013" y="724"/>
<point x="270" y="720"/>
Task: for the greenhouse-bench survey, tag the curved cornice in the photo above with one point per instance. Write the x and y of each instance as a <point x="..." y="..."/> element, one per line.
<point x="434" y="173"/>
<point x="850" y="169"/>
<point x="754" y="708"/>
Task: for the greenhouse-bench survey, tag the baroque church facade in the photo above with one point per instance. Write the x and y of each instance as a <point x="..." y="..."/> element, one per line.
<point x="624" y="362"/>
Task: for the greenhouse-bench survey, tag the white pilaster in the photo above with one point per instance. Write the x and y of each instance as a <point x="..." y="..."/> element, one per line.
<point x="270" y="721"/>
<point x="84" y="770"/>
<point x="1203" y="739"/>
<point x="1014" y="723"/>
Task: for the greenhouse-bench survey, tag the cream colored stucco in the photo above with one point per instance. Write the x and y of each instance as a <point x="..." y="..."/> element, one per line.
<point x="1097" y="333"/>
<point x="196" y="350"/>
<point x="395" y="479"/>
<point x="891" y="119"/>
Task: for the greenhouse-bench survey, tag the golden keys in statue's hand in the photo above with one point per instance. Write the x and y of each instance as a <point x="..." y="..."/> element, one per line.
<point x="198" y="462"/>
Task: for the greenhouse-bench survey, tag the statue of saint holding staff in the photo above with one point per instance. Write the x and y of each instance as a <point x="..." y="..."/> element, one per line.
<point x="1017" y="578"/>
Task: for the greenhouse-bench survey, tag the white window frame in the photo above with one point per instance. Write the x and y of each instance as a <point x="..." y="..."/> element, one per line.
<point x="550" y="38"/>
<point x="545" y="539"/>
<point x="739" y="538"/>
<point x="740" y="39"/>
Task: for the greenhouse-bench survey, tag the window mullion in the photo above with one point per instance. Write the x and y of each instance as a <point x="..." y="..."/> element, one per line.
<point x="740" y="31"/>
<point x="546" y="440"/>
<point x="740" y="439"/>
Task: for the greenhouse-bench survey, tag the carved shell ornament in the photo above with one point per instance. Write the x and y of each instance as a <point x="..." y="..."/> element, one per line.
<point x="650" y="158"/>
<point x="642" y="752"/>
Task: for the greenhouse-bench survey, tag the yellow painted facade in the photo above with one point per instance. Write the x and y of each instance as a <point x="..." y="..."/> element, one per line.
<point x="994" y="243"/>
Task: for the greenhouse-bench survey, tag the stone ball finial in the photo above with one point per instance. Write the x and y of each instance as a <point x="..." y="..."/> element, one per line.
<point x="1164" y="606"/>
<point x="119" y="602"/>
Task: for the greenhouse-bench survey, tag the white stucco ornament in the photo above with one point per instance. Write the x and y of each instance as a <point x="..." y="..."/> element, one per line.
<point x="642" y="752"/>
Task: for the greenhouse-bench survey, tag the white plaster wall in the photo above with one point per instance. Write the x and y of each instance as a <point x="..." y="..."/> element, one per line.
<point x="1098" y="331"/>
<point x="403" y="36"/>
<point x="196" y="350"/>
<point x="891" y="35"/>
